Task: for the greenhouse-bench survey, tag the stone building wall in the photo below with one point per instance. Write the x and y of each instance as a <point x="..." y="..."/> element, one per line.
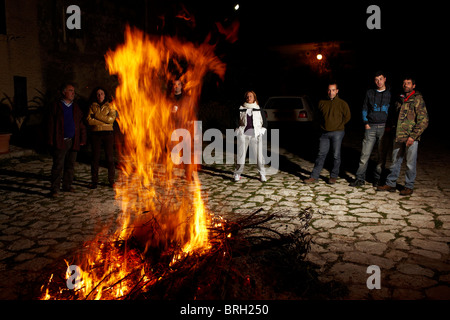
<point x="20" y="53"/>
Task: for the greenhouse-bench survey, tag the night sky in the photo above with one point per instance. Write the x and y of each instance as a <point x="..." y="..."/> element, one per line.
<point x="411" y="41"/>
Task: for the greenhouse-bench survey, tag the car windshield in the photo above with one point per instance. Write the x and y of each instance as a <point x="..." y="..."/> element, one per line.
<point x="284" y="103"/>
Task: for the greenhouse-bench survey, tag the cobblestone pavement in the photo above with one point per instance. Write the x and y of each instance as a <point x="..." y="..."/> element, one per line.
<point x="352" y="228"/>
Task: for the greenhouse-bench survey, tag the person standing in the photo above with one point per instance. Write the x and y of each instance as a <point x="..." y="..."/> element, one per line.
<point x="374" y="113"/>
<point x="66" y="133"/>
<point x="101" y="118"/>
<point x="333" y="113"/>
<point x="250" y="127"/>
<point x="177" y="92"/>
<point x="412" y="120"/>
<point x="183" y="118"/>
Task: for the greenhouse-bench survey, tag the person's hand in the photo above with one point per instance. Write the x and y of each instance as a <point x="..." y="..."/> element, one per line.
<point x="409" y="142"/>
<point x="367" y="127"/>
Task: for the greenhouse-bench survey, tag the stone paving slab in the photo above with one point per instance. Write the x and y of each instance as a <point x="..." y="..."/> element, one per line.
<point x="352" y="228"/>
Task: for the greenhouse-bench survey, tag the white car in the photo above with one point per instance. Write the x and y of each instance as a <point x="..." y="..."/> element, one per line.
<point x="289" y="109"/>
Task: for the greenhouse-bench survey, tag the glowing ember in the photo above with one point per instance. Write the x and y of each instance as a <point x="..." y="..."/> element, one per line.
<point x="163" y="218"/>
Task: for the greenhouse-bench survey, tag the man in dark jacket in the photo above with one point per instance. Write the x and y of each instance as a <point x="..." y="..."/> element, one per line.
<point x="66" y="133"/>
<point x="334" y="113"/>
<point x="374" y="113"/>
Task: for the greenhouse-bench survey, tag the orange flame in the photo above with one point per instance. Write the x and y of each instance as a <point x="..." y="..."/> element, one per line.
<point x="230" y="32"/>
<point x="146" y="118"/>
<point x="157" y="211"/>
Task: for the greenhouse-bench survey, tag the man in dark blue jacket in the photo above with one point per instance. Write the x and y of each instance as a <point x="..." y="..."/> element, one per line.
<point x="66" y="133"/>
<point x="374" y="113"/>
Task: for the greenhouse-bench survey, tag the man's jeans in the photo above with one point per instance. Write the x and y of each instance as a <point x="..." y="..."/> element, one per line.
<point x="398" y="154"/>
<point x="333" y="138"/>
<point x="371" y="137"/>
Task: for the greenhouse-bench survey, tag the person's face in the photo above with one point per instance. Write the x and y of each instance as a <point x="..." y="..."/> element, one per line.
<point x="69" y="93"/>
<point x="177" y="87"/>
<point x="408" y="86"/>
<point x="250" y="98"/>
<point x="100" y="96"/>
<point x="332" y="91"/>
<point x="380" y="81"/>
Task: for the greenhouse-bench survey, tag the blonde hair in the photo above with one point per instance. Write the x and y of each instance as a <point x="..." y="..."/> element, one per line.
<point x="254" y="96"/>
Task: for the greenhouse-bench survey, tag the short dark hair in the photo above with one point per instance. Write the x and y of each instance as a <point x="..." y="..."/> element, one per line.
<point x="64" y="86"/>
<point x="380" y="73"/>
<point x="410" y="77"/>
<point x="330" y="83"/>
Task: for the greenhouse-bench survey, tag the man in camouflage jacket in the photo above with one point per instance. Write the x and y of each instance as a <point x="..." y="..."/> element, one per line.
<point x="412" y="121"/>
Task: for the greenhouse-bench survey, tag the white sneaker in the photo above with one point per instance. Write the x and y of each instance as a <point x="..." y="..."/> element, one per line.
<point x="263" y="178"/>
<point x="237" y="177"/>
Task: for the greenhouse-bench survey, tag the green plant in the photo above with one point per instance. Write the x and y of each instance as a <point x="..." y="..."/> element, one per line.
<point x="41" y="100"/>
<point x="15" y="115"/>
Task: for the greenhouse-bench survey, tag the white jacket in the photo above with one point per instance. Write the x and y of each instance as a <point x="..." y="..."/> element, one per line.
<point x="259" y="130"/>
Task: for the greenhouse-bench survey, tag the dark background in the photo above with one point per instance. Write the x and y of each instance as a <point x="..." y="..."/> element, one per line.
<point x="411" y="41"/>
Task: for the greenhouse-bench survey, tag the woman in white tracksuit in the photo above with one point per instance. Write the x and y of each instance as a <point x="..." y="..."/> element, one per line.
<point x="251" y="127"/>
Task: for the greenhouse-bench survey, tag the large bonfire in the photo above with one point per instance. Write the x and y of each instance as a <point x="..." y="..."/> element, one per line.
<point x="161" y="220"/>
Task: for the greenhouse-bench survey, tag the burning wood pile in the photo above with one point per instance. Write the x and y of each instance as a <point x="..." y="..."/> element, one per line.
<point x="227" y="270"/>
<point x="165" y="245"/>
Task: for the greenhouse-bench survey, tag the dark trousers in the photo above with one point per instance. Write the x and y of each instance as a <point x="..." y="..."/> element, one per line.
<point x="63" y="160"/>
<point x="107" y="139"/>
<point x="327" y="139"/>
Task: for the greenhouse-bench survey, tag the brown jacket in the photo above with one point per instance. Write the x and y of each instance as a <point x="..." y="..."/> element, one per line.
<point x="333" y="114"/>
<point x="55" y="128"/>
<point x="101" y="118"/>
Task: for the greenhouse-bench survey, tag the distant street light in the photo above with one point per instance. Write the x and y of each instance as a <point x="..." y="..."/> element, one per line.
<point x="319" y="57"/>
<point x="236" y="7"/>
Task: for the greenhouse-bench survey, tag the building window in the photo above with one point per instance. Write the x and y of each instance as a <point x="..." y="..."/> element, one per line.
<point x="2" y="17"/>
<point x="20" y="94"/>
